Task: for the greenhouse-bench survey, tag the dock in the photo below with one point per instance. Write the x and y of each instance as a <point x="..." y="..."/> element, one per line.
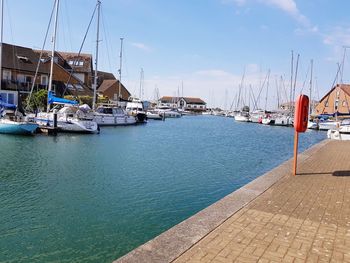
<point x="277" y="217"/>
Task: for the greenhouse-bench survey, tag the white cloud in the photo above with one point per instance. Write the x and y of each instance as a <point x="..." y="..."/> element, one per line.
<point x="338" y="35"/>
<point x="142" y="47"/>
<point x="287" y="6"/>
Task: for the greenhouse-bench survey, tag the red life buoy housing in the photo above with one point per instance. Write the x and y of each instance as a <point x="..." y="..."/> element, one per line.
<point x="301" y="113"/>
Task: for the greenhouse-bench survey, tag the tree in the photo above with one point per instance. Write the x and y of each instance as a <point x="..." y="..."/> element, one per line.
<point x="38" y="100"/>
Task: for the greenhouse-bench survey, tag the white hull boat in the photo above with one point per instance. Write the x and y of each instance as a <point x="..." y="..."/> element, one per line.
<point x="69" y="119"/>
<point x="112" y="116"/>
<point x="328" y="125"/>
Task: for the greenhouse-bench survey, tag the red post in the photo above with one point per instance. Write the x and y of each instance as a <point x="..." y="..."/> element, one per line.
<point x="296" y="139"/>
<point x="300" y="124"/>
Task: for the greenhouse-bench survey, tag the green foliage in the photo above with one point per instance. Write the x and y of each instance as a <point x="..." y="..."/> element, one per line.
<point x="38" y="100"/>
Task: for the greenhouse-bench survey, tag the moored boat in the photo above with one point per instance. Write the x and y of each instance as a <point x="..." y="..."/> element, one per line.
<point x="134" y="107"/>
<point x="109" y="115"/>
<point x="14" y="122"/>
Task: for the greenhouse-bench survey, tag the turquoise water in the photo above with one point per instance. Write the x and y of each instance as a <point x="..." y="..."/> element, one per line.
<point x="93" y="198"/>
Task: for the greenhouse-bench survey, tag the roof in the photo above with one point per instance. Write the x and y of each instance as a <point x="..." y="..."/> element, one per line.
<point x="193" y="100"/>
<point x="83" y="62"/>
<point x="190" y="100"/>
<point x="344" y="87"/>
<point x="21" y="58"/>
<point x="106" y="84"/>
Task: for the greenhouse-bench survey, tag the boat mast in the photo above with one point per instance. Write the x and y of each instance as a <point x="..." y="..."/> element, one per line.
<point x="291" y="105"/>
<point x="141" y="84"/>
<point x="120" y="67"/>
<point x="295" y="81"/>
<point x="1" y="39"/>
<point x="310" y="104"/>
<point x="342" y="64"/>
<point x="96" y="60"/>
<point x="53" y="52"/>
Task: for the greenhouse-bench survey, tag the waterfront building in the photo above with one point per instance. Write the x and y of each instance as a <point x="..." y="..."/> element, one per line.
<point x="184" y="103"/>
<point x="72" y="73"/>
<point x="19" y="65"/>
<point x="109" y="87"/>
<point x="337" y="100"/>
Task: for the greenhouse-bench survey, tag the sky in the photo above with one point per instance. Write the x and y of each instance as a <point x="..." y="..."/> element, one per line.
<point x="212" y="49"/>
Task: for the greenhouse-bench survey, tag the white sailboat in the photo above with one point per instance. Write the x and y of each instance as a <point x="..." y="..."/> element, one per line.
<point x="69" y="117"/>
<point x="107" y="115"/>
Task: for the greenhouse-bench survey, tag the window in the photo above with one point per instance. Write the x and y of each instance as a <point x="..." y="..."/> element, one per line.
<point x="344" y="103"/>
<point x="77" y="63"/>
<point x="44" y="80"/>
<point x="11" y="98"/>
<point x="326" y="103"/>
<point x="6" y="74"/>
<point x="24" y="59"/>
<point x="21" y="78"/>
<point x="29" y="79"/>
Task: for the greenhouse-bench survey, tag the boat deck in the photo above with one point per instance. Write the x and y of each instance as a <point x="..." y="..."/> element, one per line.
<point x="303" y="218"/>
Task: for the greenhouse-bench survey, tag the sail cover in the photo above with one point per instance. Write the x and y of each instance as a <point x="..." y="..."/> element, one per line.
<point x="56" y="100"/>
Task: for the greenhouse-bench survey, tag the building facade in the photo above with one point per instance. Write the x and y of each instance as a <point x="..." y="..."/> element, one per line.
<point x="184" y="103"/>
<point x="337" y="100"/>
<point x="73" y="73"/>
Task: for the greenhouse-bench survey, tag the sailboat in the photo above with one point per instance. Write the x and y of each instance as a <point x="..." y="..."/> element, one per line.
<point x="108" y="114"/>
<point x="12" y="121"/>
<point x="70" y="118"/>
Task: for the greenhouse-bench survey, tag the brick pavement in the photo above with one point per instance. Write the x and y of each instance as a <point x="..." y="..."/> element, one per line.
<point x="299" y="219"/>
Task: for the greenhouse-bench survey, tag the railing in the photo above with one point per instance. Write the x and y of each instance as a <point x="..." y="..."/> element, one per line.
<point x="20" y="86"/>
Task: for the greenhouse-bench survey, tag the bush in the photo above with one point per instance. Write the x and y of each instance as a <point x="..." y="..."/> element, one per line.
<point x="38" y="101"/>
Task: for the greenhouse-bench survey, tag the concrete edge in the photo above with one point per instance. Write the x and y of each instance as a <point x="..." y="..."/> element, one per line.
<point x="177" y="240"/>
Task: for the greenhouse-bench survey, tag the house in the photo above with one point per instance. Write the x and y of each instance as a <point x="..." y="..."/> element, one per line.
<point x="185" y="103"/>
<point x="80" y="65"/>
<point x="337" y="100"/>
<point x="69" y="78"/>
<point x="20" y="70"/>
<point x="73" y="73"/>
<point x="110" y="88"/>
<point x="19" y="65"/>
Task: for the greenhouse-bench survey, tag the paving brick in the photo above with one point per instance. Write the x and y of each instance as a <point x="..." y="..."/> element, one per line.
<point x="303" y="218"/>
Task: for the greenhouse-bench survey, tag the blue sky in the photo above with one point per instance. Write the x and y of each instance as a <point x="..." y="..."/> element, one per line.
<point x="205" y="44"/>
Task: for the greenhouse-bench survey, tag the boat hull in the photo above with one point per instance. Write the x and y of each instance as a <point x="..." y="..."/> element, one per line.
<point x="18" y="128"/>
<point x="114" y="120"/>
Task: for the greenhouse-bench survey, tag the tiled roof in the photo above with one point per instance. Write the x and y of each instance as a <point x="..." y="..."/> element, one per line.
<point x="190" y="100"/>
<point x="84" y="59"/>
<point x="106" y="84"/>
<point x="21" y="58"/>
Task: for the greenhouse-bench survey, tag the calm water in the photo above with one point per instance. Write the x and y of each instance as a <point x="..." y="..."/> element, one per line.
<point x="93" y="198"/>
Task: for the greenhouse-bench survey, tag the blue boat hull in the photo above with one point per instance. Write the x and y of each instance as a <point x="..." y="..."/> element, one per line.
<point x="18" y="128"/>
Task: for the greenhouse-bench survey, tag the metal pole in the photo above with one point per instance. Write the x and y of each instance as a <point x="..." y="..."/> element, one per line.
<point x="120" y="67"/>
<point x="1" y="39"/>
<point x="52" y="54"/>
<point x="96" y="55"/>
<point x="312" y="64"/>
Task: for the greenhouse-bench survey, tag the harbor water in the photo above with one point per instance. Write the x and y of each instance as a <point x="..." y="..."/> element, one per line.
<point x="93" y="198"/>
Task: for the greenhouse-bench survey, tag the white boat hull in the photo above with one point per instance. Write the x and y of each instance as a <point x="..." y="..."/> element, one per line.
<point x="67" y="124"/>
<point x="110" y="120"/>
